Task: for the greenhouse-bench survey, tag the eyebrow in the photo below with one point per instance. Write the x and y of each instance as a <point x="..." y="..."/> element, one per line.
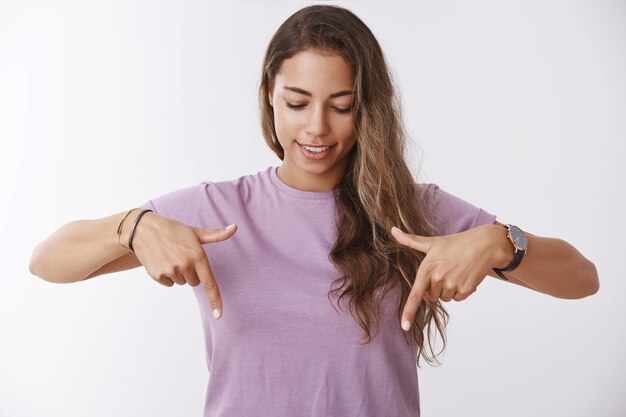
<point x="306" y="93"/>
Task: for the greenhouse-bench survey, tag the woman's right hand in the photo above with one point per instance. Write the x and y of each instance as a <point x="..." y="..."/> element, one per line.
<point x="172" y="252"/>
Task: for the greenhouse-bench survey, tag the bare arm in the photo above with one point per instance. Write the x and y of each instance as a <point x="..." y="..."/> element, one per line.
<point x="170" y="251"/>
<point x="83" y="249"/>
<point x="551" y="266"/>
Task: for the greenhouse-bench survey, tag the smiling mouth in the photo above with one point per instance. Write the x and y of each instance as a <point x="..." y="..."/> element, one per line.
<point x="318" y="150"/>
<point x="315" y="146"/>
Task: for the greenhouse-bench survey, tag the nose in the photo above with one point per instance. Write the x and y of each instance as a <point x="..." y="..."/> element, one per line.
<point x="317" y="123"/>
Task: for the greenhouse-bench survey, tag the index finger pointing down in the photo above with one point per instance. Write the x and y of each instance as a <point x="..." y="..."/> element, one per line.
<point x="210" y="287"/>
<point x="422" y="281"/>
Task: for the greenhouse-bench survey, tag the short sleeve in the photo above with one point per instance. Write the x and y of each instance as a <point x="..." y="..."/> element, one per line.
<point x="450" y="214"/>
<point x="181" y="205"/>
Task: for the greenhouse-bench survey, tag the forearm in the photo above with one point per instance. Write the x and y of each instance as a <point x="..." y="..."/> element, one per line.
<point x="551" y="266"/>
<point x="79" y="248"/>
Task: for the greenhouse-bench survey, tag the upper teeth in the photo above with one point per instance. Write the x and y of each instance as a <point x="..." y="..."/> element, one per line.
<point x="309" y="148"/>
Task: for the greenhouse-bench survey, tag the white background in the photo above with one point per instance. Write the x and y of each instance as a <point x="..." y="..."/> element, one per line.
<point x="516" y="107"/>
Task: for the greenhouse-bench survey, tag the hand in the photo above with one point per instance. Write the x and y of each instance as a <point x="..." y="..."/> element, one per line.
<point x="172" y="252"/>
<point x="452" y="269"/>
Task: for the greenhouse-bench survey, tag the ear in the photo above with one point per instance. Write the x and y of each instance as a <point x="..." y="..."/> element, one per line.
<point x="269" y="98"/>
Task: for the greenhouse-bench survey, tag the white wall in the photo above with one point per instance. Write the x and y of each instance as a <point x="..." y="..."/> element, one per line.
<point x="518" y="107"/>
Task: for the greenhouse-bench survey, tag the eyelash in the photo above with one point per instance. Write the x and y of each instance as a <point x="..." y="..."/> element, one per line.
<point x="298" y="107"/>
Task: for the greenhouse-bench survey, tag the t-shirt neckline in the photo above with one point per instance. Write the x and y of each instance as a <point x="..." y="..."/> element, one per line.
<point x="319" y="195"/>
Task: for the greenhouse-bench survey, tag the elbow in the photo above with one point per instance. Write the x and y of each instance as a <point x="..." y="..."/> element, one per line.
<point x="38" y="273"/>
<point x="32" y="268"/>
<point x="35" y="265"/>
<point x="594" y="281"/>
<point x="591" y="283"/>
<point x="581" y="285"/>
<point x="35" y="270"/>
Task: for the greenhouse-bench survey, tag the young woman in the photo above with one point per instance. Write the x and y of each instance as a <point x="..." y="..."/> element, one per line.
<point x="336" y="261"/>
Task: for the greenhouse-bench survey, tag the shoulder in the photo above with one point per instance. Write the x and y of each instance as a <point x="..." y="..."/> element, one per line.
<point x="180" y="204"/>
<point x="241" y="189"/>
<point x="184" y="204"/>
<point x="450" y="213"/>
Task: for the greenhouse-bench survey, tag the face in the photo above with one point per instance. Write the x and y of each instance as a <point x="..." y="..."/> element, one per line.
<point x="312" y="98"/>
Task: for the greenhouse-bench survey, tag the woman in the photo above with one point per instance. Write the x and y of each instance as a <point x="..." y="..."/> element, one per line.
<point x="312" y="282"/>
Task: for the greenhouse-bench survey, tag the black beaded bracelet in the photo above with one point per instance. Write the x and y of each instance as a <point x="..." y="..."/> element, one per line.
<point x="132" y="231"/>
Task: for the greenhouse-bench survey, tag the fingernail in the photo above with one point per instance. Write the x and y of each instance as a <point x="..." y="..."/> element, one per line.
<point x="394" y="227"/>
<point x="230" y="227"/>
<point x="216" y="314"/>
<point x="406" y="325"/>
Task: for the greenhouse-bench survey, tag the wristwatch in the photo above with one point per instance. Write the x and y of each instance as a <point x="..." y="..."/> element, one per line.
<point x="520" y="243"/>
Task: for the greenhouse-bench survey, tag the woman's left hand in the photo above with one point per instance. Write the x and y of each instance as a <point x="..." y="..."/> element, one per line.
<point x="452" y="269"/>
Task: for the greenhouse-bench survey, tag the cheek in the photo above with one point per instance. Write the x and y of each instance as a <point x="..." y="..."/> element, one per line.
<point x="346" y="130"/>
<point x="284" y="121"/>
<point x="283" y="127"/>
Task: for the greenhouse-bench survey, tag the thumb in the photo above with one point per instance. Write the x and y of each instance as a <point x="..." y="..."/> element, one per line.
<point x="214" y="235"/>
<point x="420" y="243"/>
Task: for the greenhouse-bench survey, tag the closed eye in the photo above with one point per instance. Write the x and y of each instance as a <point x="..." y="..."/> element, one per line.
<point x="300" y="106"/>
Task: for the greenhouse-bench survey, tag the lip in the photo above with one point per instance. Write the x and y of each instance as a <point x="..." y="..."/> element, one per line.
<point x="314" y="146"/>
<point x="315" y="156"/>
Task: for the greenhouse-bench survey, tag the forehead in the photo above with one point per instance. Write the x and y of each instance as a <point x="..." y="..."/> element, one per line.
<point x="320" y="73"/>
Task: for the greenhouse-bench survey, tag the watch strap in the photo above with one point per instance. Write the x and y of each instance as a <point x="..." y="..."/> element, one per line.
<point x="519" y="254"/>
<point x="515" y="262"/>
<point x="497" y="271"/>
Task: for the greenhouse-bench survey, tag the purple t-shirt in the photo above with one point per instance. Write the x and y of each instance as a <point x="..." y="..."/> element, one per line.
<point x="280" y="348"/>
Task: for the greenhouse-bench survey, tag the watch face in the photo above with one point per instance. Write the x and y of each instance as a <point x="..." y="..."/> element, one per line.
<point x="518" y="237"/>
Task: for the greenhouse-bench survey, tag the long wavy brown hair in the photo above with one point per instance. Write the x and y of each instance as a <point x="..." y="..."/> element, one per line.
<point x="378" y="190"/>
